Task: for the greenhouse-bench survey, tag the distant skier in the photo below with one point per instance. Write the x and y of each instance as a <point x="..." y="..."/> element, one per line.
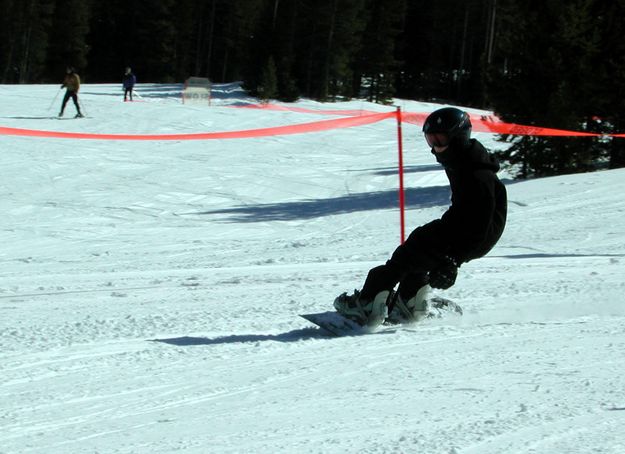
<point x="432" y="254"/>
<point x="72" y="83"/>
<point x="128" y="83"/>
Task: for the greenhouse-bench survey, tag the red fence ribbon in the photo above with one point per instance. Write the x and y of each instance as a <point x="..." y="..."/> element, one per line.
<point x="481" y="123"/>
<point x="315" y="126"/>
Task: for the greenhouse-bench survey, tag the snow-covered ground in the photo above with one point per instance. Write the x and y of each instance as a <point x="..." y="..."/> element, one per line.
<point x="150" y="292"/>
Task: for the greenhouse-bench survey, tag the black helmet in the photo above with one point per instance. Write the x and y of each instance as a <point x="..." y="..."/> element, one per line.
<point x="446" y="125"/>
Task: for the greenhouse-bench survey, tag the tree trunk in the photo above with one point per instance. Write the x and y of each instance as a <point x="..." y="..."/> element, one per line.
<point x="211" y="31"/>
<point x="198" y="48"/>
<point x="326" y="72"/>
<point x="24" y="64"/>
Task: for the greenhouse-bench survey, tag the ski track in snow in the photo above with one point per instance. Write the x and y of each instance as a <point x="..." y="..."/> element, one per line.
<point x="150" y="292"/>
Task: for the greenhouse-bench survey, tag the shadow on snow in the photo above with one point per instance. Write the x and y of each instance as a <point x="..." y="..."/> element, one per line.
<point x="308" y="209"/>
<point x="389" y="171"/>
<point x="541" y="255"/>
<point x="291" y="336"/>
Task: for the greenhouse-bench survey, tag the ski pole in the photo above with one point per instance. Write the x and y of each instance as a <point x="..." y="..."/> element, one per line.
<point x="55" y="96"/>
<point x="82" y="108"/>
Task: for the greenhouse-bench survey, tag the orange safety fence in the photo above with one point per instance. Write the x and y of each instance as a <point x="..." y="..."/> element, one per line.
<point x="481" y="123"/>
<point x="315" y="126"/>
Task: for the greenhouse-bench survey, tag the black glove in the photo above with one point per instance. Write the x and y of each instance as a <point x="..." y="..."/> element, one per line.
<point x="444" y="276"/>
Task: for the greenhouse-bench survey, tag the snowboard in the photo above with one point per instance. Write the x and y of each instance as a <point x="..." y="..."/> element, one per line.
<point x="337" y="325"/>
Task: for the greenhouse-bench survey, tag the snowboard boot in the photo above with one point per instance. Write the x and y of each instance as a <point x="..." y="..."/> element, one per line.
<point x="413" y="310"/>
<point x="365" y="313"/>
<point x="79" y="115"/>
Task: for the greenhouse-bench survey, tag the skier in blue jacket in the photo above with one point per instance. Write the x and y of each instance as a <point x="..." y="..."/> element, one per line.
<point x="128" y="83"/>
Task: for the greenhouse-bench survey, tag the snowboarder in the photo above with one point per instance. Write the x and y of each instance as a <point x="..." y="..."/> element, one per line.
<point x="128" y="83"/>
<point x="432" y="254"/>
<point x="72" y="83"/>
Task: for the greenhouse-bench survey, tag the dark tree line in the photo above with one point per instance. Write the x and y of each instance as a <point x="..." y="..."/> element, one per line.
<point x="561" y="65"/>
<point x="556" y="63"/>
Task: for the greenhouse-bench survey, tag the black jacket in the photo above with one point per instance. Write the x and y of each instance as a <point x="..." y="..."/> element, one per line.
<point x="477" y="216"/>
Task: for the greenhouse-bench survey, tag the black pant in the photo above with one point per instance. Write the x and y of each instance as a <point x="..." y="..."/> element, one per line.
<point x="74" y="96"/>
<point x="127" y="91"/>
<point x="423" y="251"/>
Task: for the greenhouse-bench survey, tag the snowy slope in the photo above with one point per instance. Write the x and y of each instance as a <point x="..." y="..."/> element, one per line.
<point x="150" y="292"/>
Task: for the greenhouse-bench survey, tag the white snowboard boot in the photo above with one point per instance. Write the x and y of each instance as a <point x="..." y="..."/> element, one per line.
<point x="413" y="310"/>
<point x="365" y="313"/>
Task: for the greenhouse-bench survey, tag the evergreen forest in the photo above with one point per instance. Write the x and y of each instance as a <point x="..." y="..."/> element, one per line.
<point x="550" y="63"/>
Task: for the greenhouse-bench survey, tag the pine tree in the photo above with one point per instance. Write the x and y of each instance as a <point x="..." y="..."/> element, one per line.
<point x="377" y="64"/>
<point x="24" y="34"/>
<point x="545" y="60"/>
<point x="313" y="44"/>
<point x="260" y="46"/>
<point x="68" y="45"/>
<point x="268" y="84"/>
<point x="237" y="32"/>
<point x="283" y="22"/>
<point x="339" y="25"/>
<point x="184" y="17"/>
<point x="441" y="48"/>
<point x="607" y="73"/>
<point x="107" y="54"/>
<point x="154" y="44"/>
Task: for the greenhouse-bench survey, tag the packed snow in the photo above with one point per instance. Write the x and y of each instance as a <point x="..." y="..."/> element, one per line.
<point x="150" y="290"/>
